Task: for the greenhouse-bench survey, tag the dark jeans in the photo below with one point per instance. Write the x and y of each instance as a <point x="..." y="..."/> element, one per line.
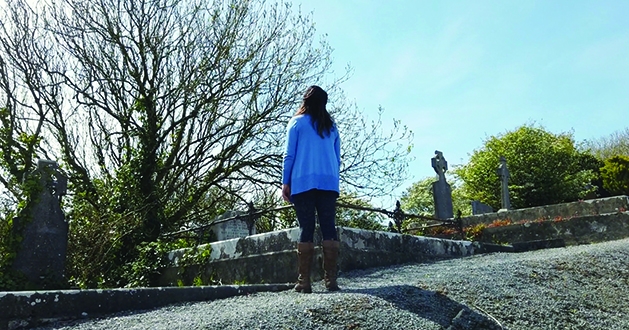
<point x="324" y="202"/>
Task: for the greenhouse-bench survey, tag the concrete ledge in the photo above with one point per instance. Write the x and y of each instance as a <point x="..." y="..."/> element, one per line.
<point x="362" y="249"/>
<point x="575" y="231"/>
<point x="271" y="257"/>
<point x="549" y="212"/>
<point x="30" y="306"/>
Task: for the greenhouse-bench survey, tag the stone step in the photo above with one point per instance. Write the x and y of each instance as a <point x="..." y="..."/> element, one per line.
<point x="578" y="230"/>
<point x="610" y="205"/>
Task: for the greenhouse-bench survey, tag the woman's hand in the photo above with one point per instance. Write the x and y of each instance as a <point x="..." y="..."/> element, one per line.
<point x="286" y="192"/>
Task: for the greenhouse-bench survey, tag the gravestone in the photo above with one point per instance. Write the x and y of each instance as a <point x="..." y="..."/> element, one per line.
<point x="481" y="208"/>
<point x="441" y="190"/>
<point x="42" y="254"/>
<point x="503" y="173"/>
<point x="234" y="228"/>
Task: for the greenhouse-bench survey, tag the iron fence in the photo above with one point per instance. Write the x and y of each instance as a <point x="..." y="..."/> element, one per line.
<point x="253" y="215"/>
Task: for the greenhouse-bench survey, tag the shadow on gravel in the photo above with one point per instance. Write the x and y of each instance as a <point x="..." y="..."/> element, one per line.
<point x="431" y="305"/>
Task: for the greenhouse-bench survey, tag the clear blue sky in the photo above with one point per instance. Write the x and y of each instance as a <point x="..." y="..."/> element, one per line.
<point x="457" y="72"/>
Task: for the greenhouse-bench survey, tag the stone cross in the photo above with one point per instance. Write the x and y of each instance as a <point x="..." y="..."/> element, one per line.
<point x="441" y="190"/>
<point x="440" y="165"/>
<point x="44" y="231"/>
<point x="503" y="173"/>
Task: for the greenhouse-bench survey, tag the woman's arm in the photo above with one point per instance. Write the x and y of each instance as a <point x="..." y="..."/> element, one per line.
<point x="289" y="153"/>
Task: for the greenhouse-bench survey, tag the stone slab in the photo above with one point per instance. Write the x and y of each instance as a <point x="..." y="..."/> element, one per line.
<point x="235" y="228"/>
<point x="481" y="208"/>
<point x="41" y="256"/>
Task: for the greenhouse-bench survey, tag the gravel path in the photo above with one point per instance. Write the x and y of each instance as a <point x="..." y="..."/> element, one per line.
<point x="580" y="287"/>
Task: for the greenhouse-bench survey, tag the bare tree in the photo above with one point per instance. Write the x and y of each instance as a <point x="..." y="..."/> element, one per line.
<point x="28" y="95"/>
<point x="605" y="147"/>
<point x="374" y="161"/>
<point x="179" y="97"/>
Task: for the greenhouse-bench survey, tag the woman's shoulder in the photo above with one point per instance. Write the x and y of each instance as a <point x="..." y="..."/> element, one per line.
<point x="298" y="119"/>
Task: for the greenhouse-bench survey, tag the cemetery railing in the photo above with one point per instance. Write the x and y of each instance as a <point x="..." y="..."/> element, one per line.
<point x="252" y="215"/>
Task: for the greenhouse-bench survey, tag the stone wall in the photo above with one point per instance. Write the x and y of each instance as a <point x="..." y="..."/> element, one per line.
<point x="549" y="212"/>
<point x="583" y="222"/>
<point x="271" y="257"/>
<point x="575" y="231"/>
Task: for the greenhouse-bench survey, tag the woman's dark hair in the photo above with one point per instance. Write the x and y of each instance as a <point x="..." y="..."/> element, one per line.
<point x="313" y="104"/>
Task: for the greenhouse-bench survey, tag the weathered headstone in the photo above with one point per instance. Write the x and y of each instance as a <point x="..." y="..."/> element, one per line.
<point x="503" y="173"/>
<point x="234" y="228"/>
<point x="392" y="228"/>
<point x="42" y="254"/>
<point x="441" y="190"/>
<point x="481" y="208"/>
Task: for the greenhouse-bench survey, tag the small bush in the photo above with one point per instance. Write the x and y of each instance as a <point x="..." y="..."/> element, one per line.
<point x="473" y="233"/>
<point x="615" y="175"/>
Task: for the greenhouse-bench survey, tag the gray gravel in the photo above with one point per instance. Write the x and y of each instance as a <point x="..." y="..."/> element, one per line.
<point x="581" y="287"/>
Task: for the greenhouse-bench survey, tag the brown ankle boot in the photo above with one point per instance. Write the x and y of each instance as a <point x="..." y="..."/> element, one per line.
<point x="305" y="254"/>
<point x="330" y="255"/>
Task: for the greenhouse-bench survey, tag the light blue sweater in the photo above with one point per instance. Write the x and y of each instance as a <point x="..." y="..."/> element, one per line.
<point x="311" y="162"/>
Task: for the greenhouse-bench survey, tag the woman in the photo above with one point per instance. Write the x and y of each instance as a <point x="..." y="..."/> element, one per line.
<point x="310" y="180"/>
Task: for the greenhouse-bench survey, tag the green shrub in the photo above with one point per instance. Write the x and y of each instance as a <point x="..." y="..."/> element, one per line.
<point x="615" y="175"/>
<point x="545" y="168"/>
